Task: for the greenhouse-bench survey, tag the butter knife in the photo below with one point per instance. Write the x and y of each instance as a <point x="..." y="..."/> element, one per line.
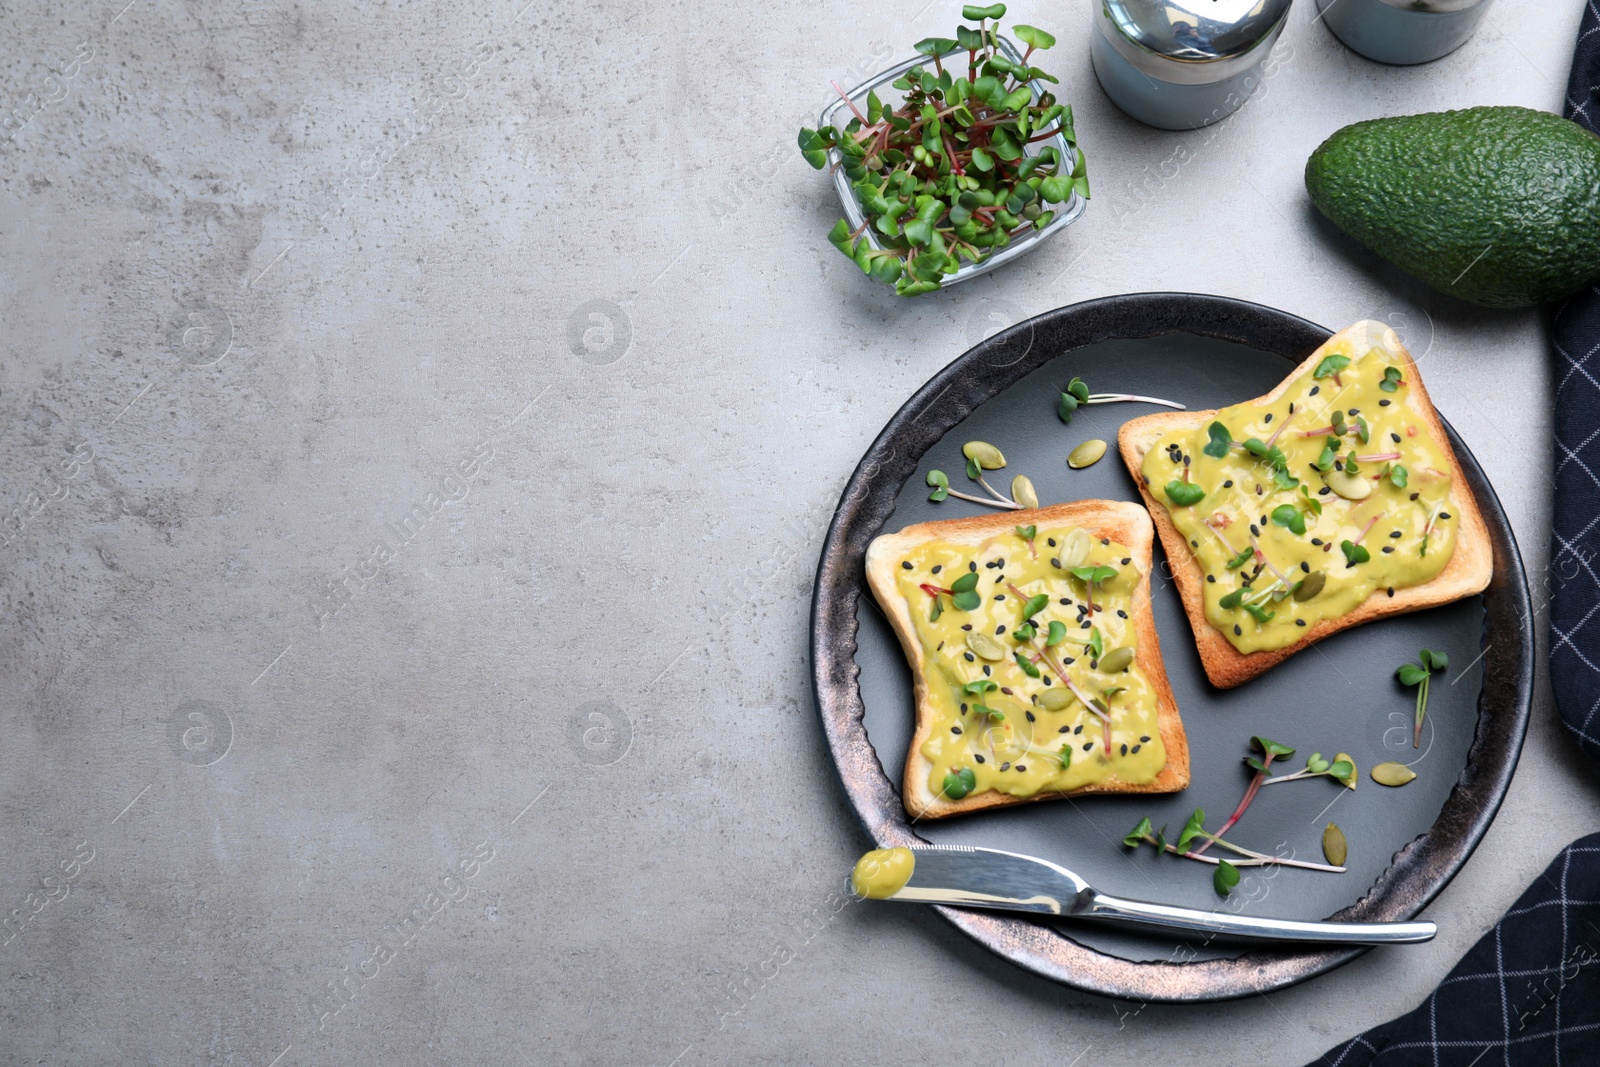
<point x="1008" y="881"/>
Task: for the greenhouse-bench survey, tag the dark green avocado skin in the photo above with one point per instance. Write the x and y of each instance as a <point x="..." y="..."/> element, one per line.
<point x="1496" y="205"/>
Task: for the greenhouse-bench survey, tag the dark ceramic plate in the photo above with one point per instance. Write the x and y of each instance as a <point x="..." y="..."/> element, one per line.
<point x="1405" y="844"/>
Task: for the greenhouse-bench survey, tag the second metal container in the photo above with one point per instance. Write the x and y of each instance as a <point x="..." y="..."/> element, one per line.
<point x="1183" y="64"/>
<point x="1403" y="32"/>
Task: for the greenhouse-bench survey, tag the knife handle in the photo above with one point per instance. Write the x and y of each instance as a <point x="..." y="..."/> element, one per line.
<point x="1091" y="905"/>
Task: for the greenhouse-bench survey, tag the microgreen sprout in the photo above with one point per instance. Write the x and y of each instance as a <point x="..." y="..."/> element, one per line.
<point x="1330" y="368"/>
<point x="1290" y="518"/>
<point x="1077" y="394"/>
<point x="1056" y="634"/>
<point x="1354" y="553"/>
<point x="1275" y="460"/>
<point x="1341" y="769"/>
<point x="1418" y="674"/>
<point x="1091" y="576"/>
<point x="1392" y="379"/>
<point x="1226" y="875"/>
<point x="963" y="592"/>
<point x="1096" y="645"/>
<point x="946" y="175"/>
<point x="1221" y="441"/>
<point x="1270" y="750"/>
<point x="941" y="489"/>
<point x="1065" y="756"/>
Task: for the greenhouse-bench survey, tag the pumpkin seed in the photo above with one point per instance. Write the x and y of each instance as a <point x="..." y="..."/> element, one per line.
<point x="1055" y="699"/>
<point x="1334" y="846"/>
<point x="1310" y="585"/>
<point x="985" y="646"/>
<point x="1086" y="454"/>
<point x="1392" y="774"/>
<point x="1022" y="492"/>
<point x="1350" y="486"/>
<point x="984" y="454"/>
<point x="1117" y="660"/>
<point x="1075" y="546"/>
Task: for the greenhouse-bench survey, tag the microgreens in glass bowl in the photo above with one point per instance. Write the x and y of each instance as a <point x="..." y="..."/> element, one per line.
<point x="972" y="166"/>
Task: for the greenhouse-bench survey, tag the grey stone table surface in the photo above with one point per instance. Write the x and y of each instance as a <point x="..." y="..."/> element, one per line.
<point x="418" y="423"/>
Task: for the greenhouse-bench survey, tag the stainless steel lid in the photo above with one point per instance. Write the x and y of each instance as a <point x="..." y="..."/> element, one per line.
<point x="1195" y="42"/>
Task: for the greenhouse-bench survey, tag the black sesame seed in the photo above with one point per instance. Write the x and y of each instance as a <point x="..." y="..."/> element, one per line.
<point x="1086" y="624"/>
<point x="955" y="730"/>
<point x="999" y="596"/>
<point x="1124" y="748"/>
<point x="940" y="648"/>
<point x="1394" y="437"/>
<point x="1355" y="411"/>
<point x="1055" y="561"/>
<point x="937" y="567"/>
<point x="1051" y="541"/>
<point x="1237" y="632"/>
<point x="1046" y="680"/>
<point x="970" y="657"/>
<point x="1000" y="629"/>
<point x="1415" y="495"/>
<point x="966" y="626"/>
<point x="1185" y="463"/>
<point x="977" y="757"/>
<point x="1388" y="548"/>
<point x="963" y="709"/>
<point x="1144" y="739"/>
<point x="1094" y="665"/>
<point x="1324" y="491"/>
<point x="1126" y="560"/>
<point x="1087" y="745"/>
<point x="1305" y="566"/>
<point x="1316" y="540"/>
<point x="1078" y="729"/>
<point x="1005" y="690"/>
<point x="1212" y="578"/>
<point x="1065" y="601"/>
<point x="1253" y="531"/>
<point x="1136" y="748"/>
<point x="1029" y="714"/>
<point x="1268" y="418"/>
<point x="1315" y="389"/>
<point x="1391" y="590"/>
<point x="1444" y="514"/>
<point x="1022" y="766"/>
<point x="906" y="564"/>
<point x="1394" y="533"/>
<point x="973" y="567"/>
<point x="1383" y="403"/>
<point x="1228" y="484"/>
<point x="1299" y="622"/>
<point x="1064" y="730"/>
<point x="1194" y="544"/>
<point x="986" y="670"/>
<point x="999" y="578"/>
<point x="1122" y="613"/>
<point x="1068" y="660"/>
<point x="1260" y="490"/>
<point x="1005" y="766"/>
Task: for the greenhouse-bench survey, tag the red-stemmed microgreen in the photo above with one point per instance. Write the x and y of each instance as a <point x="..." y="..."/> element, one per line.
<point x="1270" y="750"/>
<point x="1029" y="533"/>
<point x="1392" y="379"/>
<point x="1077" y="394"/>
<point x="963" y="594"/>
<point x="1330" y="367"/>
<point x="1091" y="576"/>
<point x="1182" y="492"/>
<point x="1418" y="674"/>
<point x="959" y="783"/>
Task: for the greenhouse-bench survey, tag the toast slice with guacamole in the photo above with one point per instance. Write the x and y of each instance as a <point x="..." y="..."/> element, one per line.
<point x="1331" y="501"/>
<point x="1034" y="657"/>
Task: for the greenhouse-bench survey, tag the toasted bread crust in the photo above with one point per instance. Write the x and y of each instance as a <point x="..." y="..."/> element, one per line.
<point x="1123" y="522"/>
<point x="1468" y="572"/>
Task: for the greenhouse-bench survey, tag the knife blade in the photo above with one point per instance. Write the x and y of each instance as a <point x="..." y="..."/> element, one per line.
<point x="965" y="876"/>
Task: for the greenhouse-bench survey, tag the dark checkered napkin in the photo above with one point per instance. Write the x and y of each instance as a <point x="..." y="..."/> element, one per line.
<point x="1575" y="536"/>
<point x="1527" y="995"/>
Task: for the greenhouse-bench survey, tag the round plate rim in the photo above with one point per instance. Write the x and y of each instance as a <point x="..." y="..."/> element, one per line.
<point x="1417" y="873"/>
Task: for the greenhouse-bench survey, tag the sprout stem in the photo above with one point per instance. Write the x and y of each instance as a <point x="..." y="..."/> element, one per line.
<point x="1111" y="398"/>
<point x="1008" y="504"/>
<point x="1007" y="501"/>
<point x="850" y="102"/>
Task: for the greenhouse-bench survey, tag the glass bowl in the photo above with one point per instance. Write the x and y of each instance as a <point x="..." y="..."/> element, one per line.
<point x="837" y="114"/>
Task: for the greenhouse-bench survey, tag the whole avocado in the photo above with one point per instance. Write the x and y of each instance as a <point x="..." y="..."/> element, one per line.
<point x="1496" y="205"/>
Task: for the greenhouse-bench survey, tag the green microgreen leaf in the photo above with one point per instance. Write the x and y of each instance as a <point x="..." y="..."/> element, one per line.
<point x="940" y="484"/>
<point x="1224" y="878"/>
<point x="974" y="13"/>
<point x="1139" y="834"/>
<point x="1035" y="604"/>
<point x="1235" y="598"/>
<point x="1290" y="518"/>
<point x="1064" y="757"/>
<point x="937" y="609"/>
<point x="1268" y="747"/>
<point x="1330" y="366"/>
<point x="1221" y="441"/>
<point x="935" y="46"/>
<point x="959" y="783"/>
<point x="1033" y="37"/>
<point x="1027" y="665"/>
<point x="966" y="583"/>
<point x="1245" y="556"/>
<point x="1363" y="431"/>
<point x="1027" y="533"/>
<point x="980" y="686"/>
<point x="1434" y="661"/>
<point x="1192" y="829"/>
<point x="1260" y="614"/>
<point x="1399" y="476"/>
<point x="1056" y="635"/>
<point x="967" y="601"/>
<point x="1354" y="553"/>
<point x="1184" y="493"/>
<point x="973" y="470"/>
<point x="1391" y="379"/>
<point x="1097" y="645"/>
<point x="1024" y="632"/>
<point x="1078" y="389"/>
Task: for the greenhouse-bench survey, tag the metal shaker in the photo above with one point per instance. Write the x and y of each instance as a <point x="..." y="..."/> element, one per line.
<point x="1183" y="64"/>
<point x="1403" y="31"/>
